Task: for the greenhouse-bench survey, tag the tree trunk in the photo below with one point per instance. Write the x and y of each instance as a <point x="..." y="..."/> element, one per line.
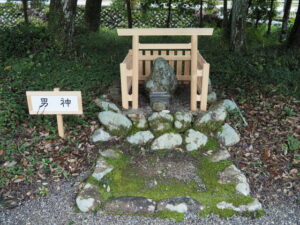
<point x="285" y="19"/>
<point x="249" y="5"/>
<point x="294" y="39"/>
<point x="25" y="11"/>
<point x="168" y="22"/>
<point x="129" y="14"/>
<point x="62" y="22"/>
<point x="271" y="12"/>
<point x="201" y="13"/>
<point x="92" y="14"/>
<point x="225" y="14"/>
<point x="237" y="26"/>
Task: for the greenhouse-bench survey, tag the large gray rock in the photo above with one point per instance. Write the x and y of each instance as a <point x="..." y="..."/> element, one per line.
<point x="88" y="198"/>
<point x="228" y="136"/>
<point x="167" y="141"/>
<point x="194" y="140"/>
<point x="102" y="168"/>
<point x="232" y="175"/>
<point x="230" y="105"/>
<point x="101" y="135"/>
<point x="160" y="122"/>
<point x="115" y="122"/>
<point x="183" y="120"/>
<point x="251" y="207"/>
<point x="180" y="204"/>
<point x="139" y="120"/>
<point x="130" y="204"/>
<point x="107" y="106"/>
<point x="162" y="78"/>
<point x="140" y="138"/>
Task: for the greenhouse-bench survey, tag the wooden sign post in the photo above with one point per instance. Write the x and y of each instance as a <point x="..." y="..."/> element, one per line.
<point x="55" y="103"/>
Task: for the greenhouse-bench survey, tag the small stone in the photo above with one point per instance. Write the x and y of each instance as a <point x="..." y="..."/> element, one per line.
<point x="167" y="141"/>
<point x="160" y="122"/>
<point x="115" y="122"/>
<point x="232" y="175"/>
<point x="183" y="120"/>
<point x="140" y="138"/>
<point x="9" y="164"/>
<point x="158" y="106"/>
<point x="102" y="168"/>
<point x="130" y="204"/>
<point x="230" y="105"/>
<point x="101" y="135"/>
<point x="139" y="120"/>
<point x="180" y="204"/>
<point x="212" y="97"/>
<point x="88" y="198"/>
<point x="107" y="106"/>
<point x="228" y="136"/>
<point x="218" y="112"/>
<point x="194" y="140"/>
<point x="110" y="153"/>
<point x="220" y="155"/>
<point x="251" y="207"/>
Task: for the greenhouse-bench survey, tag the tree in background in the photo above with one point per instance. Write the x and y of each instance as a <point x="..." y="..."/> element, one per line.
<point x="271" y="15"/>
<point x="285" y="19"/>
<point x="225" y="14"/>
<point x="168" y="22"/>
<point x="129" y="13"/>
<point x="237" y="24"/>
<point x="61" y="22"/>
<point x="25" y="11"/>
<point x="294" y="39"/>
<point x="258" y="10"/>
<point x="92" y="14"/>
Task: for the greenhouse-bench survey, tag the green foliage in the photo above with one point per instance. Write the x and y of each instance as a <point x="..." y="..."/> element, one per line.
<point x="171" y="215"/>
<point x="293" y="143"/>
<point x="22" y="41"/>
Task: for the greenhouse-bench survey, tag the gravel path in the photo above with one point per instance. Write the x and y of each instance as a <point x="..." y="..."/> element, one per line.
<point x="57" y="208"/>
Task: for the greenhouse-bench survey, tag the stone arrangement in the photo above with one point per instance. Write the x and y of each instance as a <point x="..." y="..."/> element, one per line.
<point x="184" y="131"/>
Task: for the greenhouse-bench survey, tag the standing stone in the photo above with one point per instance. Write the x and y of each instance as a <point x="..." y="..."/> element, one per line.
<point x="167" y="141"/>
<point x="194" y="140"/>
<point x="162" y="78"/>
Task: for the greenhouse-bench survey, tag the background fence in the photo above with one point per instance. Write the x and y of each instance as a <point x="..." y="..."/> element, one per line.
<point x="12" y="15"/>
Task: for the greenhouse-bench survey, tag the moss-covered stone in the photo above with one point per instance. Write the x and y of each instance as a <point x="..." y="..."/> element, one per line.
<point x="209" y="128"/>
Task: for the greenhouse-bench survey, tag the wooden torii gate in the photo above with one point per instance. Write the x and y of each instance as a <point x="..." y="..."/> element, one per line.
<point x="185" y="59"/>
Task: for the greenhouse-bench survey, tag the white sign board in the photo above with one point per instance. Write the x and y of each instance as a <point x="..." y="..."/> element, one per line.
<point x="54" y="102"/>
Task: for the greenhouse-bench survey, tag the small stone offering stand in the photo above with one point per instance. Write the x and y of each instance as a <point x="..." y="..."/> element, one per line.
<point x="185" y="59"/>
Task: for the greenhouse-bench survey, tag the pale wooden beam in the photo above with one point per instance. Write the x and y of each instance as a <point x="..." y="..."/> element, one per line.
<point x="165" y="31"/>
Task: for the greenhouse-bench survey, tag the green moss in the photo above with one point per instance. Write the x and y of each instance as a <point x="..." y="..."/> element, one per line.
<point x="255" y="214"/>
<point x="171" y="215"/>
<point x="127" y="180"/>
<point x="212" y="144"/>
<point x="154" y="125"/>
<point x="211" y="127"/>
